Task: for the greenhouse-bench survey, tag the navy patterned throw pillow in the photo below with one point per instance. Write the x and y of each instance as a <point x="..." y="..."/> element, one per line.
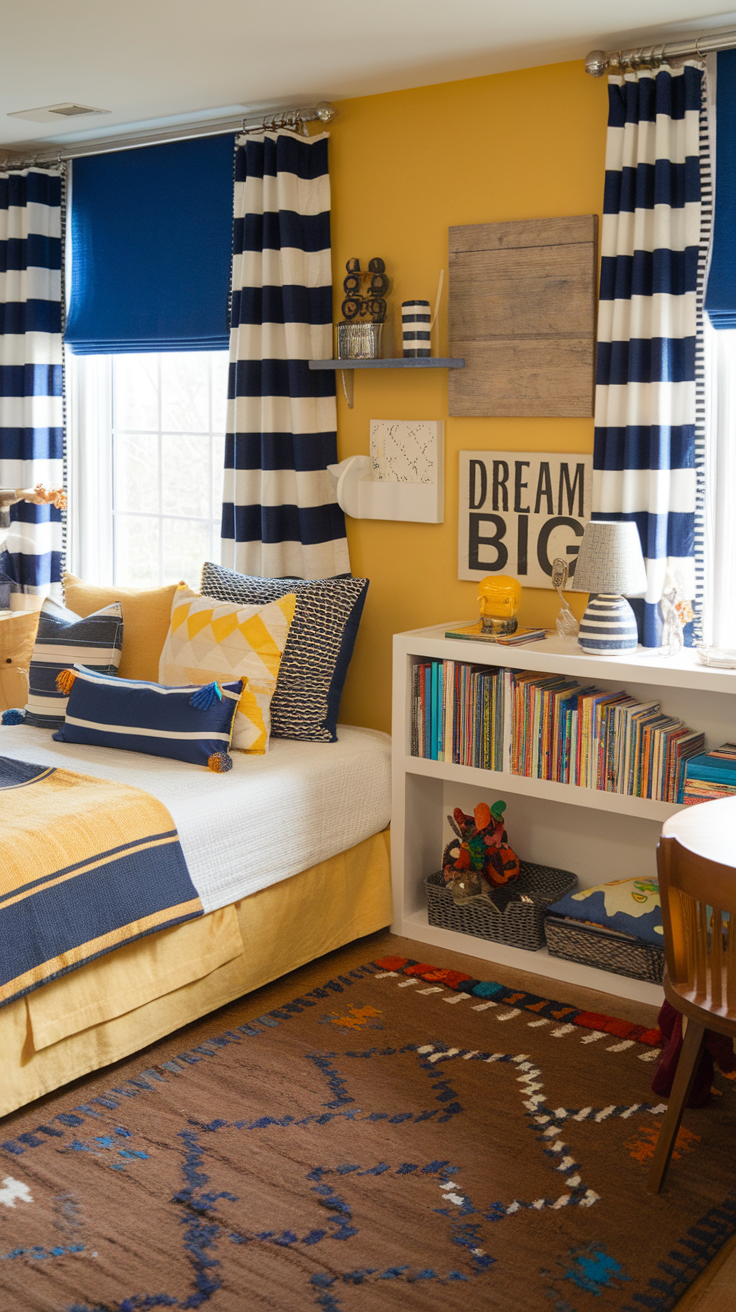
<point x="63" y="638"/>
<point x="318" y="649"/>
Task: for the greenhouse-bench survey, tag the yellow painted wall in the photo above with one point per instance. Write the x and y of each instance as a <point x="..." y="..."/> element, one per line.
<point x="405" y="167"/>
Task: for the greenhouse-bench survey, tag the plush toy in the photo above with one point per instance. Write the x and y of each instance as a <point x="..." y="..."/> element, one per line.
<point x="479" y="858"/>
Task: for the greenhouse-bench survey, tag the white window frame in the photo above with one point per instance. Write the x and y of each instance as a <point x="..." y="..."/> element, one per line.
<point x="90" y="464"/>
<point x="719" y="544"/>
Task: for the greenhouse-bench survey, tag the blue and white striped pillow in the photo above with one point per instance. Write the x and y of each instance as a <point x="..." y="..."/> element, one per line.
<point x="192" y="723"/>
<point x="65" y="639"/>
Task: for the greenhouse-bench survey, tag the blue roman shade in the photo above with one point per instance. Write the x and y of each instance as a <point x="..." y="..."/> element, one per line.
<point x="720" y="296"/>
<point x="151" y="247"/>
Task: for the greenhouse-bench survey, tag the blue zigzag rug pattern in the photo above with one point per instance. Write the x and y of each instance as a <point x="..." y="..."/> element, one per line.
<point x="402" y="1138"/>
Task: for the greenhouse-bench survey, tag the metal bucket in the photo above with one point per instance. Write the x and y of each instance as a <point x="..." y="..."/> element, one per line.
<point x="359" y="341"/>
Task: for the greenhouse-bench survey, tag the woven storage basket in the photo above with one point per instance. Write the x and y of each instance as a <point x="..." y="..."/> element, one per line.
<point x="593" y="947"/>
<point x="506" y="919"/>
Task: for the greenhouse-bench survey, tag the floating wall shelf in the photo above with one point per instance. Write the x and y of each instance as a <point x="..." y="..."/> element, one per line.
<point x="347" y="367"/>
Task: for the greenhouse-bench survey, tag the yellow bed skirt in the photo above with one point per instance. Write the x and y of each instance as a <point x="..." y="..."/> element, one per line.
<point x="282" y="927"/>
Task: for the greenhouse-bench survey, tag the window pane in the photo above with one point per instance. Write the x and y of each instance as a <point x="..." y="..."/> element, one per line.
<point x="163" y="419"/>
<point x="136" y="471"/>
<point x="137" y="551"/>
<point x="135" y="392"/>
<point x="186" y="474"/>
<point x="220" y="372"/>
<point x="185" y="391"/>
<point x="186" y="545"/>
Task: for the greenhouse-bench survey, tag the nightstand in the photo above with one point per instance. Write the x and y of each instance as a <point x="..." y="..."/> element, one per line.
<point x="17" y="636"/>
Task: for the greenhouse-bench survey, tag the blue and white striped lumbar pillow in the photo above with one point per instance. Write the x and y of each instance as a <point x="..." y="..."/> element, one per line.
<point x="64" y="639"/>
<point x="192" y="723"/>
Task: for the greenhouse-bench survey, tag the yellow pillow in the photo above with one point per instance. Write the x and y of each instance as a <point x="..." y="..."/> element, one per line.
<point x="214" y="640"/>
<point x="146" y="615"/>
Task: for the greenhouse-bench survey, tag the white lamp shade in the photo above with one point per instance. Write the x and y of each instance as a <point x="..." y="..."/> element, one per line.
<point x="610" y="559"/>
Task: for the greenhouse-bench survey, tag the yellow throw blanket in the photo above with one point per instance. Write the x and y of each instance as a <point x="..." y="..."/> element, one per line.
<point x="86" y="865"/>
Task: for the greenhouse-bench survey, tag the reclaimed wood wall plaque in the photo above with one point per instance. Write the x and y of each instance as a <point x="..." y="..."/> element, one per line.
<point x="522" y="313"/>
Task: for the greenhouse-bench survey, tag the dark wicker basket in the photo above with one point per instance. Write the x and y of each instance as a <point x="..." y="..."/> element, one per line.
<point x="592" y="947"/>
<point x="507" y="919"/>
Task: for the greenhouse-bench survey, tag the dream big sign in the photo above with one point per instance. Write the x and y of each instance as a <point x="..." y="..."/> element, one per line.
<point x="519" y="510"/>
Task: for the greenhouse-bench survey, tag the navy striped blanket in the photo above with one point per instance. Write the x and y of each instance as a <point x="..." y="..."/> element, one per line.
<point x="86" y="865"/>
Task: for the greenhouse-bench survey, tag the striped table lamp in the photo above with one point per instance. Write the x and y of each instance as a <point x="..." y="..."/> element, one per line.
<point x="416" y="327"/>
<point x="609" y="563"/>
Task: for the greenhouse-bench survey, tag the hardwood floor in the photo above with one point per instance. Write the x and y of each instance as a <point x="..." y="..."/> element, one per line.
<point x="715" y="1288"/>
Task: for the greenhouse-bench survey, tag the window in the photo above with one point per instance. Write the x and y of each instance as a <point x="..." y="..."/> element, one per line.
<point x="147" y="437"/>
<point x="719" y="546"/>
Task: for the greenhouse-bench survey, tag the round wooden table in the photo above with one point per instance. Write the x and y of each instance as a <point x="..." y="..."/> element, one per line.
<point x="708" y="830"/>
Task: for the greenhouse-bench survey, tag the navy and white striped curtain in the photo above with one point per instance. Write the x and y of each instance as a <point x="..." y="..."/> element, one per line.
<point x="31" y="406"/>
<point x="645" y="394"/>
<point x="280" y="517"/>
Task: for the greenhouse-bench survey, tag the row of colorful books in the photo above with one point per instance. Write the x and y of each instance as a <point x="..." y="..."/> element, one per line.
<point x="579" y="734"/>
<point x="458" y="713"/>
<point x="711" y="776"/>
<point x="550" y="727"/>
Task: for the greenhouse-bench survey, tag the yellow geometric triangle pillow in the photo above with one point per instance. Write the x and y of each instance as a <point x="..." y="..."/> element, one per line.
<point x="212" y="640"/>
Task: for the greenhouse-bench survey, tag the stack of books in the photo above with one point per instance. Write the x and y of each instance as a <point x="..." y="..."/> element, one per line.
<point x="458" y="713"/>
<point x="577" y="734"/>
<point x="711" y="775"/>
<point x="475" y="633"/>
<point x="552" y="727"/>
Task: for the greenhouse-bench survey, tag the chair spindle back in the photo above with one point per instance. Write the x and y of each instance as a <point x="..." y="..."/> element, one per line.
<point x="699" y="915"/>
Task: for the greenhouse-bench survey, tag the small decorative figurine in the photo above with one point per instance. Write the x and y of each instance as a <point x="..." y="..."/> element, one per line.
<point x="37" y="495"/>
<point x="676" y="612"/>
<point x="362" y="303"/>
<point x="566" y="624"/>
<point x="359" y="336"/>
<point x="479" y="859"/>
<point x="499" y="596"/>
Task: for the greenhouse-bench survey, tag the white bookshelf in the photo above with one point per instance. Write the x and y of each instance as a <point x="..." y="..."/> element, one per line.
<point x="597" y="835"/>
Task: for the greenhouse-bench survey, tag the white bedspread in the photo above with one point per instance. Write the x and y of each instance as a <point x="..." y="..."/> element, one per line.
<point x="266" y="819"/>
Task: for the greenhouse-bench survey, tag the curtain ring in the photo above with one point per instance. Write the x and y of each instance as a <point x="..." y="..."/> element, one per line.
<point x="698" y="51"/>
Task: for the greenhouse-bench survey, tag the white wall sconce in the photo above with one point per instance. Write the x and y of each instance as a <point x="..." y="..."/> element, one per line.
<point x="401" y="479"/>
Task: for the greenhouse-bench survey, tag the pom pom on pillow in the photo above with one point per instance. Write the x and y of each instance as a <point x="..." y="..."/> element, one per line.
<point x="13" y="716"/>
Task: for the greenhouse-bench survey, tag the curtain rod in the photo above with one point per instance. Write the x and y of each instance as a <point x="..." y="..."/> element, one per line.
<point x="322" y="112"/>
<point x="599" y="62"/>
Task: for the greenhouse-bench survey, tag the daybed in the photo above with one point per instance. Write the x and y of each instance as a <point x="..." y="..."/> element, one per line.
<point x="289" y="855"/>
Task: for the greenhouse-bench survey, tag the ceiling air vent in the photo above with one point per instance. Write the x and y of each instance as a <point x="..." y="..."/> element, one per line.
<point x="48" y="113"/>
<point x="70" y="111"/>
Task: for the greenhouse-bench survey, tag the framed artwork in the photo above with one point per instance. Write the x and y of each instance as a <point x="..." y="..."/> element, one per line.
<point x="518" y="510"/>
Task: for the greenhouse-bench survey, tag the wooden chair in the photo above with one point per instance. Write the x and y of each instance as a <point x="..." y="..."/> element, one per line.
<point x="698" y="896"/>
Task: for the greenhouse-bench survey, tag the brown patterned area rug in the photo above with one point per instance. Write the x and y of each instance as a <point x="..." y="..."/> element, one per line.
<point x="402" y="1138"/>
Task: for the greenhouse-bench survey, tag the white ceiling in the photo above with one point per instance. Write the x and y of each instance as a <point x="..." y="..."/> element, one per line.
<point x="161" y="62"/>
